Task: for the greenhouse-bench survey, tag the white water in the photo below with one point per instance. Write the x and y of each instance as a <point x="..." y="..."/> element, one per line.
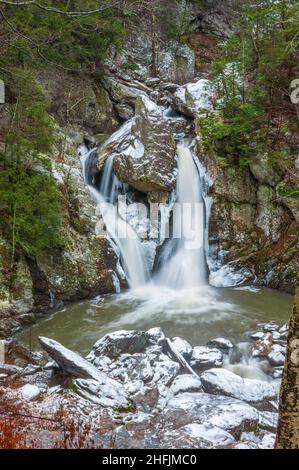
<point x="122" y="234"/>
<point x="184" y="264"/>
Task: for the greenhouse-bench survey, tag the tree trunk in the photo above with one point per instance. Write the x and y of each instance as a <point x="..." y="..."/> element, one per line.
<point x="154" y="65"/>
<point x="288" y="422"/>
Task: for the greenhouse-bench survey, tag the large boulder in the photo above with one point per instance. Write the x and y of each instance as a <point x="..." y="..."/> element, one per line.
<point x="114" y="344"/>
<point x="147" y="158"/>
<point x="69" y="361"/>
<point x="198" y="436"/>
<point x="194" y="99"/>
<point x="224" y="382"/>
<point x="202" y="408"/>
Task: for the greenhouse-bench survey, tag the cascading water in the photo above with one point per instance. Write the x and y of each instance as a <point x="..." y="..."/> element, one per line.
<point x="184" y="264"/>
<point x="123" y="235"/>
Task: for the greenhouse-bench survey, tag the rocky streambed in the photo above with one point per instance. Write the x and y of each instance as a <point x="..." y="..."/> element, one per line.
<point x="140" y="389"/>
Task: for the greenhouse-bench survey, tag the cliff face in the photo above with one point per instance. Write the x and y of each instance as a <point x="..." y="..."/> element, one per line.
<point x="252" y="227"/>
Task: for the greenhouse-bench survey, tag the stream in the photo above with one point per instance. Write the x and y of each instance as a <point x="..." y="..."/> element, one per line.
<point x="197" y="315"/>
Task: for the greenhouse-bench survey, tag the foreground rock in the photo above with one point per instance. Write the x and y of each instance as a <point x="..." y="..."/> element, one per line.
<point x="227" y="383"/>
<point x="99" y="389"/>
<point x="199" y="436"/>
<point x="69" y="361"/>
<point x="224" y="412"/>
<point x="107" y="393"/>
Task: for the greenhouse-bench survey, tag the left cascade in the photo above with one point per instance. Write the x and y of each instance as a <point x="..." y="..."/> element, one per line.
<point x="124" y="237"/>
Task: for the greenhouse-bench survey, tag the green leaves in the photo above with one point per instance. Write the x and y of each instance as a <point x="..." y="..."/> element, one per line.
<point x="32" y="206"/>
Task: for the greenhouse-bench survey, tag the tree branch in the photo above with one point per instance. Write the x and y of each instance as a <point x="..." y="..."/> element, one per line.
<point x="72" y="14"/>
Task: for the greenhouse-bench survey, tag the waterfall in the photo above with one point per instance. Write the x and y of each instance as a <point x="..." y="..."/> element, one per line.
<point x="123" y="235"/>
<point x="183" y="260"/>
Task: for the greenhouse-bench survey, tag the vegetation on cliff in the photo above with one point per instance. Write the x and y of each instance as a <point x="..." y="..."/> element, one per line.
<point x="253" y="77"/>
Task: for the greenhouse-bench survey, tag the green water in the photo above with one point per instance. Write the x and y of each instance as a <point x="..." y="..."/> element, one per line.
<point x="197" y="315"/>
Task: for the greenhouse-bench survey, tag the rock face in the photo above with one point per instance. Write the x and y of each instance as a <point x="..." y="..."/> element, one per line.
<point x="146" y="161"/>
<point x="252" y="234"/>
<point x="226" y="383"/>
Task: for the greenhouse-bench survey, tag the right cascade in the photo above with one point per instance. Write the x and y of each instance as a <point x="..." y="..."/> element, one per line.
<point x="183" y="261"/>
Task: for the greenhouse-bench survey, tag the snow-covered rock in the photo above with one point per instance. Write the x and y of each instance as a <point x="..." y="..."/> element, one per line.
<point x="147" y="159"/>
<point x="263" y="346"/>
<point x="221" y="343"/>
<point x="30" y="392"/>
<point x="183" y="347"/>
<point x="204" y="357"/>
<point x="186" y="383"/>
<point x="107" y="393"/>
<point x="199" y="436"/>
<point x="224" y="382"/>
<point x="194" y="99"/>
<point x="119" y="342"/>
<point x="271" y="326"/>
<point x="223" y="412"/>
<point x="276" y="356"/>
<point x="69" y="361"/>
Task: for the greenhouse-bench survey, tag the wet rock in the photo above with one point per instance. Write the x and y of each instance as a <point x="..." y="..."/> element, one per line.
<point x="70" y="361"/>
<point x="186" y="383"/>
<point x="263" y="346"/>
<point x="193" y="99"/>
<point x="30" y="392"/>
<point x="276" y="356"/>
<point x="119" y="342"/>
<point x="221" y="343"/>
<point x="203" y="357"/>
<point x="227" y="383"/>
<point x="199" y="436"/>
<point x="147" y="160"/>
<point x="183" y="347"/>
<point x="223" y="412"/>
<point x="106" y="393"/>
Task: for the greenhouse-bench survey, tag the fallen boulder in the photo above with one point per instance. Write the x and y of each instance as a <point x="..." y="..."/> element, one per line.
<point x="224" y="382"/>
